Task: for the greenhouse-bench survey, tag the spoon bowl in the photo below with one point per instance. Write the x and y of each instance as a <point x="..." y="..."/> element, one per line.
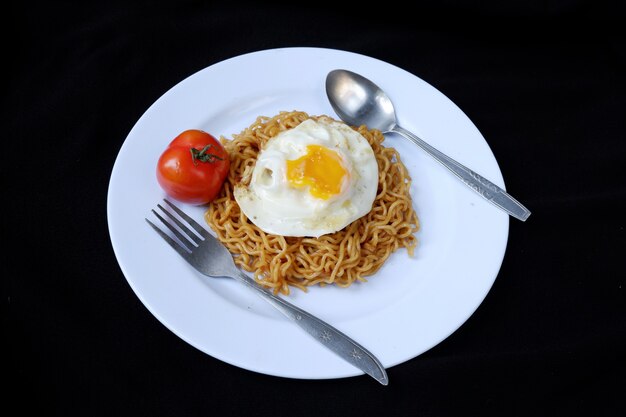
<point x="358" y="101"/>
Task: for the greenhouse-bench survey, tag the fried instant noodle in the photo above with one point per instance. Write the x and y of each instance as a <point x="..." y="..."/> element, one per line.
<point x="339" y="258"/>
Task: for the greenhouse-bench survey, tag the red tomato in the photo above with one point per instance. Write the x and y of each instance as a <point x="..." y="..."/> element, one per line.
<point x="193" y="167"/>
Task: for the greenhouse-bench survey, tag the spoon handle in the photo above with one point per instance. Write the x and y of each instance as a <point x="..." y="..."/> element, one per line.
<point x="476" y="182"/>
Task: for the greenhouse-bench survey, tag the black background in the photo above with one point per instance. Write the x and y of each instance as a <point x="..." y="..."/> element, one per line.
<point x="543" y="83"/>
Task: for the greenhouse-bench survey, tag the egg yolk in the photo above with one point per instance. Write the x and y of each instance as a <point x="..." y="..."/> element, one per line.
<point x="320" y="169"/>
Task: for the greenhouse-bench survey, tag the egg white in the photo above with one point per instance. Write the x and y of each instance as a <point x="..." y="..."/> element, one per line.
<point x="271" y="203"/>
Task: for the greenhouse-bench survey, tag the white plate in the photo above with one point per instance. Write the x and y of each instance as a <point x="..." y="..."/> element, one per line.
<point x="409" y="306"/>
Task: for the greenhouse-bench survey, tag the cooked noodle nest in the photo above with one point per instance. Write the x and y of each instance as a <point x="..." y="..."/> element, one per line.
<point x="340" y="258"/>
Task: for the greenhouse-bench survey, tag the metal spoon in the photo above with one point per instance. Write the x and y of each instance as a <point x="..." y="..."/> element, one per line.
<point x="358" y="101"/>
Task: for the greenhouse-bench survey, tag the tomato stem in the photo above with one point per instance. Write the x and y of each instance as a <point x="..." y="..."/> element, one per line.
<point x="203" y="155"/>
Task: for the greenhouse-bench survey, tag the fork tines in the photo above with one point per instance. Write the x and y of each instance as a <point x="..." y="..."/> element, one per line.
<point x="187" y="239"/>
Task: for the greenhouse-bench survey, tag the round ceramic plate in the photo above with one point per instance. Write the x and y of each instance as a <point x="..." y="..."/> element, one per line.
<point x="409" y="306"/>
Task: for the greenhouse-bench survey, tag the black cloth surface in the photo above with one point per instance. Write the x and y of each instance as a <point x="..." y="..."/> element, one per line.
<point x="545" y="88"/>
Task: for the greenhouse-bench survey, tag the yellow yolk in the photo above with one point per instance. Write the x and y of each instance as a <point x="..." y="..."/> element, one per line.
<point x="320" y="168"/>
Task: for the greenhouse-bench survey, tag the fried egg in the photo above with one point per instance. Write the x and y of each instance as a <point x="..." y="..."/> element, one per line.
<point x="311" y="180"/>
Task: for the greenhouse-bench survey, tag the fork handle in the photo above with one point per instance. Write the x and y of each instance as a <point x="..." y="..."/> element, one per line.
<point x="324" y="333"/>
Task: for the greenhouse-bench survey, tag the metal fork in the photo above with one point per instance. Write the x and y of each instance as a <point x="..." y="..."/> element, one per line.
<point x="206" y="254"/>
